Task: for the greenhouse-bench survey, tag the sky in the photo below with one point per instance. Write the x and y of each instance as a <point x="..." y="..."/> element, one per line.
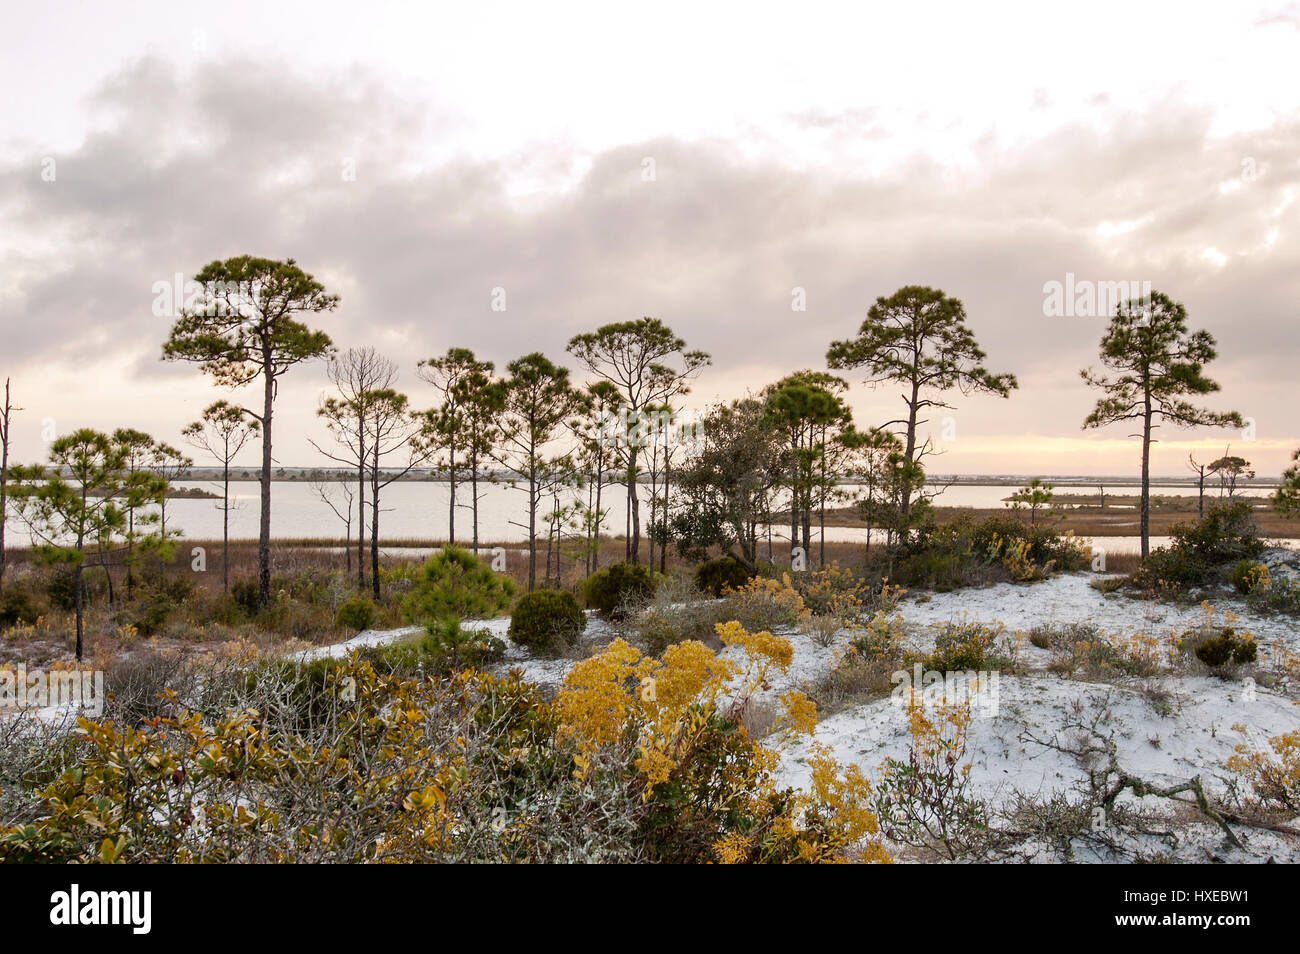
<point x="710" y="165"/>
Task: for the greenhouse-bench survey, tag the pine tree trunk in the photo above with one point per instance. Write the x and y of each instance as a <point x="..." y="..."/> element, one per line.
<point x="451" y="508"/>
<point x="78" y="598"/>
<point x="1146" y="482"/>
<point x="374" y="528"/>
<point x="225" y="526"/>
<point x="473" y="489"/>
<point x="361" y="509"/>
<point x="635" y="502"/>
<point x="264" y="524"/>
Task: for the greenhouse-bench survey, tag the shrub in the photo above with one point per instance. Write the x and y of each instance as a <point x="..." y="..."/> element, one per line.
<point x="151" y="613"/>
<point x="357" y="614"/>
<point x="295" y="619"/>
<point x="546" y="619"/>
<point x="247" y="595"/>
<point x="1083" y="647"/>
<point x="707" y="784"/>
<point x="378" y="768"/>
<point x="137" y="685"/>
<point x="445" y="647"/>
<point x="966" y="551"/>
<point x="925" y="801"/>
<point x="676" y="613"/>
<point x="1042" y="546"/>
<point x="1274" y="776"/>
<point x="1172" y="570"/>
<point x="1217" y="651"/>
<point x="61" y="587"/>
<point x="1279" y="594"/>
<point x="295" y="694"/>
<point x="614" y="589"/>
<point x="821" y="629"/>
<point x="1227" y="534"/>
<point x="716" y="576"/>
<point x="224" y="609"/>
<point x="17" y="606"/>
<point x="834" y="591"/>
<point x="765" y="604"/>
<point x="936" y="570"/>
<point x="1107" y="584"/>
<point x="958" y="647"/>
<point x="1245" y="575"/>
<point x="456" y="583"/>
<point x="867" y="667"/>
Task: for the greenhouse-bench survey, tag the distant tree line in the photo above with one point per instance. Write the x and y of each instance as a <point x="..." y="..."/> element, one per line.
<point x="781" y="453"/>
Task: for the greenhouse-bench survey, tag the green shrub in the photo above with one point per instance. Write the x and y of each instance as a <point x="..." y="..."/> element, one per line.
<point x="546" y="619"/>
<point x="715" y="576"/>
<point x="1278" y="594"/>
<point x="1043" y="544"/>
<point x="1244" y="575"/>
<point x="1172" y="569"/>
<point x="247" y="595"/>
<point x="224" y="609"/>
<point x="958" y="647"/>
<point x="1226" y="534"/>
<point x="296" y="695"/>
<point x="357" y="614"/>
<point x="446" y="646"/>
<point x="968" y="551"/>
<point x="456" y="583"/>
<point x="61" y="587"/>
<point x="612" y="589"/>
<point x="934" y="569"/>
<point x="1217" y="651"/>
<point x="17" y="606"/>
<point x="151" y="613"/>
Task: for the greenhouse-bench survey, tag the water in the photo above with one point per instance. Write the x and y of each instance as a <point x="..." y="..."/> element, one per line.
<point x="417" y="510"/>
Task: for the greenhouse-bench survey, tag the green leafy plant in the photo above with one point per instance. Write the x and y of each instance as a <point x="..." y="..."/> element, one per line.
<point x="456" y="583"/>
<point x="1245" y="575"/>
<point x="612" y="589"/>
<point x="546" y="619"/>
<point x="357" y="614"/>
<point x="715" y="576"/>
<point x="1227" y="647"/>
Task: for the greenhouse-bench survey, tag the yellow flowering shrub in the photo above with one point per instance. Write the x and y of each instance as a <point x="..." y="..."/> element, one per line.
<point x="1274" y="776"/>
<point x="1014" y="554"/>
<point x="763" y="604"/>
<point x="638" y="759"/>
<point x="924" y="802"/>
<point x="709" y="789"/>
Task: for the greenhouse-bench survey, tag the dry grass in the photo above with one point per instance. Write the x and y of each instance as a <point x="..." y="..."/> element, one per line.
<point x="1111" y="521"/>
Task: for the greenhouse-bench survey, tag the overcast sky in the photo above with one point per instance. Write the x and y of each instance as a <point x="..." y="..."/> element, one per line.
<point x="985" y="149"/>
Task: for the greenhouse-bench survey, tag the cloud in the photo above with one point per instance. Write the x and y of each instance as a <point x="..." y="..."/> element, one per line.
<point x="183" y="166"/>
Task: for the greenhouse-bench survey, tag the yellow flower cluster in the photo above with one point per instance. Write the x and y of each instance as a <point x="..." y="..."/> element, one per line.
<point x="1275" y="775"/>
<point x="664" y="708"/>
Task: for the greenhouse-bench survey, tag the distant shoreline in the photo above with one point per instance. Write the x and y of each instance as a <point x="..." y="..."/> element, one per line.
<point x="300" y="476"/>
